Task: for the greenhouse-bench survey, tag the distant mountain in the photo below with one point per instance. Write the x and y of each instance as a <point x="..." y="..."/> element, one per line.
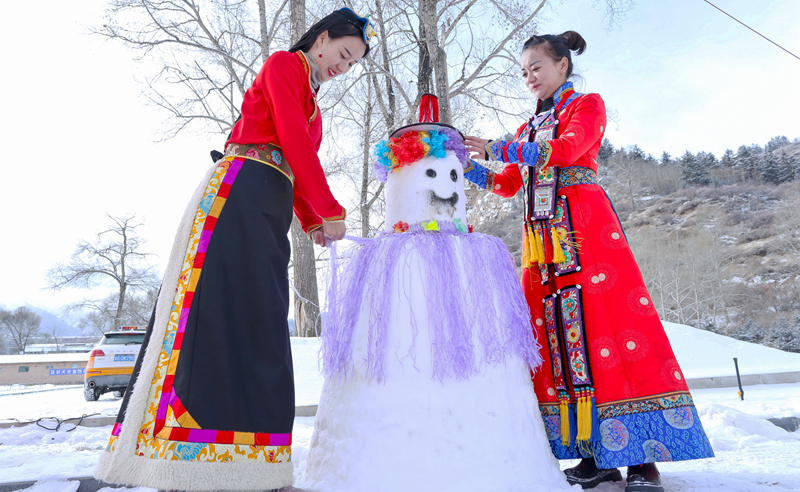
<point x="48" y="320"/>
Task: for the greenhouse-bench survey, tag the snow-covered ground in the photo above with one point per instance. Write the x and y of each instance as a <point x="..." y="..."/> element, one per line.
<point x="752" y="453"/>
<point x="703" y="354"/>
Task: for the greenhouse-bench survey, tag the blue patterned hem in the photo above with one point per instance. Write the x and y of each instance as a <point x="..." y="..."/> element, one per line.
<point x="675" y="434"/>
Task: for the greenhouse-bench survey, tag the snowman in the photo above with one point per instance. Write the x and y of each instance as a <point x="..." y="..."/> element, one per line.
<point x="427" y="346"/>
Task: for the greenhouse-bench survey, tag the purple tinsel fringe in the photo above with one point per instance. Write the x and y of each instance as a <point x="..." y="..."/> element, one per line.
<point x="493" y="305"/>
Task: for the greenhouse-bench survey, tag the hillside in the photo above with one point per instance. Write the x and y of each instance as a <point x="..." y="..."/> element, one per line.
<point x="725" y="259"/>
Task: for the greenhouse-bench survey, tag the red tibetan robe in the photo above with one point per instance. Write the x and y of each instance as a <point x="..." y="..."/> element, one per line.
<point x="283" y="87"/>
<point x="592" y="314"/>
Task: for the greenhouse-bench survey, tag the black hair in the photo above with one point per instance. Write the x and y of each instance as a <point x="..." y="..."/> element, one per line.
<point x="339" y="24"/>
<point x="558" y="47"/>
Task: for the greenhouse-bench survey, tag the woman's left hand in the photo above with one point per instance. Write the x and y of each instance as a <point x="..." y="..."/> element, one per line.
<point x="318" y="237"/>
<point x="476" y="146"/>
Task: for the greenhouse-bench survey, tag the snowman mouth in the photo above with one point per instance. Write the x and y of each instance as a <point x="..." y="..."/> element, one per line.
<point x="437" y="200"/>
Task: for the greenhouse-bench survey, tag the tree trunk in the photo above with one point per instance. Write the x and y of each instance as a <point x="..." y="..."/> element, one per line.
<point x="364" y="201"/>
<point x="262" y="22"/>
<point x="305" y="270"/>
<point x="120" y="305"/>
<point x="442" y="84"/>
<point x="305" y="281"/>
<point x="424" y="82"/>
<point x="436" y="56"/>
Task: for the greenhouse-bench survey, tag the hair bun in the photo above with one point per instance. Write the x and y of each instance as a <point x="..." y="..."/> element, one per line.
<point x="574" y="41"/>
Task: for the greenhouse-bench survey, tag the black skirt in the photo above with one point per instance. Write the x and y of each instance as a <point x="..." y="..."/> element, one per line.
<point x="234" y="369"/>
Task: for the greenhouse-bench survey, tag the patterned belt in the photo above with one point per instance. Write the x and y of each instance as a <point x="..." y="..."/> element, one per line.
<point x="268" y="153"/>
<point x="576" y="175"/>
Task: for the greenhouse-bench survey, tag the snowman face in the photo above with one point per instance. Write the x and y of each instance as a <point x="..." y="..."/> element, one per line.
<point x="428" y="189"/>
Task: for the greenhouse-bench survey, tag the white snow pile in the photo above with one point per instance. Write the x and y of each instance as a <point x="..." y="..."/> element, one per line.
<point x="703" y="354"/>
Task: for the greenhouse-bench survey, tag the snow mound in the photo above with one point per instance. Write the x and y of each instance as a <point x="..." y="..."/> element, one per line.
<point x="57" y="486"/>
<point x="703" y="354"/>
<point x="730" y="430"/>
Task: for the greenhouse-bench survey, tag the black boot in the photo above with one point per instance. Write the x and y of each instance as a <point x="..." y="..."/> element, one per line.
<point x="643" y="478"/>
<point x="587" y="475"/>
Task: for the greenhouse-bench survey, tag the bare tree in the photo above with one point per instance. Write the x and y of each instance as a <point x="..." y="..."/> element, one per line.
<point x="103" y="316"/>
<point x="20" y="325"/>
<point x="54" y="331"/>
<point x="116" y="257"/>
<point x="209" y="52"/>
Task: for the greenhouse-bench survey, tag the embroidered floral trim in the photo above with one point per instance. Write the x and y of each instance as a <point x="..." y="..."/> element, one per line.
<point x="575" y="175"/>
<point x="265" y="153"/>
<point x="653" y="403"/>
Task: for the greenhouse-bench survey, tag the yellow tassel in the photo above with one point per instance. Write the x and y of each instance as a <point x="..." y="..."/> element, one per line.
<point x="526" y="248"/>
<point x="584" y="417"/>
<point x="534" y="255"/>
<point x="539" y="243"/>
<point x="564" y="409"/>
<point x="579" y="415"/>
<point x="558" y="252"/>
<point x="587" y="417"/>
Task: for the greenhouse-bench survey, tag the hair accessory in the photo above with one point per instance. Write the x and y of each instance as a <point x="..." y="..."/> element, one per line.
<point x="368" y="29"/>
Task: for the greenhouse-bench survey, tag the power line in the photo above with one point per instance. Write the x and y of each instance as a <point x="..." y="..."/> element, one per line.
<point x="745" y="25"/>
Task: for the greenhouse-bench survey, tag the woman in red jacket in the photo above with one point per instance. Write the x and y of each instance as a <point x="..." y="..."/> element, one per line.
<point x="212" y="406"/>
<point x="611" y="392"/>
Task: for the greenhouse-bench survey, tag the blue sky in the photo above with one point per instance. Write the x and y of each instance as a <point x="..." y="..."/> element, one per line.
<point x="79" y="137"/>
<point x="683" y="76"/>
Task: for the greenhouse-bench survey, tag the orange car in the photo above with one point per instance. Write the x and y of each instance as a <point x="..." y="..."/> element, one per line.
<point x="111" y="362"/>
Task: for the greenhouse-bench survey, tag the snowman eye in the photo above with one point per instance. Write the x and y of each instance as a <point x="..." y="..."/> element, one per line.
<point x="453" y="175"/>
<point x="430" y="173"/>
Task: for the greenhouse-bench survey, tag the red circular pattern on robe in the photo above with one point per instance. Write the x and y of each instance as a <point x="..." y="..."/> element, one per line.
<point x="633" y="345"/>
<point x="611" y="236"/>
<point x="671" y="373"/>
<point x="599" y="277"/>
<point x="640" y="303"/>
<point x="603" y="353"/>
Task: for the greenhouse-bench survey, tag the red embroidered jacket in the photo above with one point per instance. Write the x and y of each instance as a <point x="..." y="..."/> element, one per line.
<point x="578" y="138"/>
<point x="281" y="108"/>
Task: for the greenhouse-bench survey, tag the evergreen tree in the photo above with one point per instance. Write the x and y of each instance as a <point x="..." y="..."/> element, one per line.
<point x="606" y="151"/>
<point x="770" y="168"/>
<point x="746" y="162"/>
<point x="750" y="332"/>
<point x="637" y="153"/>
<point x="728" y="159"/>
<point x="707" y="160"/>
<point x="776" y="143"/>
<point x="665" y="158"/>
<point x="694" y="174"/>
<point x="785" y="335"/>
<point x="787" y="166"/>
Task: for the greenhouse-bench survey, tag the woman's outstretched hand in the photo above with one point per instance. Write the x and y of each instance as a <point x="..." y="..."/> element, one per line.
<point x="476" y="146"/>
<point x="334" y="230"/>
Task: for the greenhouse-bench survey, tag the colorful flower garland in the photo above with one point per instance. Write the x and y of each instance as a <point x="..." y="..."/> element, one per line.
<point x="413" y="146"/>
<point x="434" y="226"/>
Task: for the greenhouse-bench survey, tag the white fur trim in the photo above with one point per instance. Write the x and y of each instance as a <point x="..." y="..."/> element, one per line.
<point x="123" y="466"/>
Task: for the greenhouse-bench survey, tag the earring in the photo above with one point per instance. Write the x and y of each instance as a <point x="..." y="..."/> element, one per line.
<point x="320" y="55"/>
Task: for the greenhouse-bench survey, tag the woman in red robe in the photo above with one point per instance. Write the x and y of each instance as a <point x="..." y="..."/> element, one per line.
<point x="611" y="391"/>
<point x="211" y="402"/>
